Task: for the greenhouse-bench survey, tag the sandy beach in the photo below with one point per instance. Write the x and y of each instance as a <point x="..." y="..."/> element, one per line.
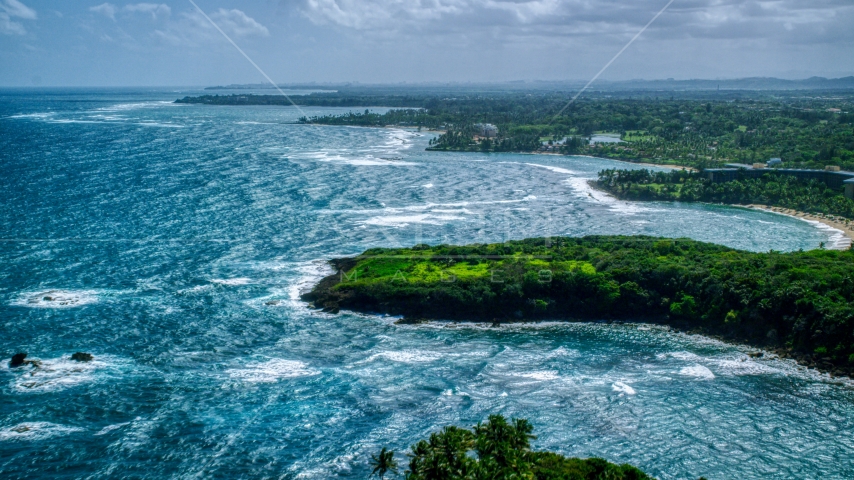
<point x="845" y="227"/>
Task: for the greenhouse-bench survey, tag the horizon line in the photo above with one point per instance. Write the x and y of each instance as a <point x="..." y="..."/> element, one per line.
<point x="441" y="82"/>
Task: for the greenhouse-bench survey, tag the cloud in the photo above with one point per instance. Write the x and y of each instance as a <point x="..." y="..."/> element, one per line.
<point x="106" y="9"/>
<point x="192" y="29"/>
<point x="238" y="23"/>
<point x="156" y="10"/>
<point x="508" y="20"/>
<point x="10" y="9"/>
<point x="14" y="8"/>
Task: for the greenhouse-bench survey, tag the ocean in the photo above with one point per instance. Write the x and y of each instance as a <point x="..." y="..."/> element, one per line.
<point x="174" y="240"/>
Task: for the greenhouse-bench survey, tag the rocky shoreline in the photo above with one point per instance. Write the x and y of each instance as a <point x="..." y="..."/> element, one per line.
<point x="627" y="276"/>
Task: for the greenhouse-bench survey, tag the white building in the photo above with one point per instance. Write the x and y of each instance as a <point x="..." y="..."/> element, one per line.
<point x="487" y="130"/>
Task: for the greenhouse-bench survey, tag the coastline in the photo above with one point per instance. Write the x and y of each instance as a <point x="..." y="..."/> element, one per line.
<point x="645" y="164"/>
<point x="440" y="131"/>
<point x="846" y="230"/>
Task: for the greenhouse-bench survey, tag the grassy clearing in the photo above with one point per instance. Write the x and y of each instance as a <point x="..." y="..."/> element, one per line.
<point x="638" y="136"/>
<point x="431" y="267"/>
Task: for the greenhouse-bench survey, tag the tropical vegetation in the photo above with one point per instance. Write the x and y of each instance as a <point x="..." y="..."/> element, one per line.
<point x="773" y="189"/>
<point x="498" y="450"/>
<point x="683" y="128"/>
<point x="800" y="302"/>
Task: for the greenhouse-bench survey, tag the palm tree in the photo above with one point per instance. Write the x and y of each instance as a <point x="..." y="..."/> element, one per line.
<point x="383" y="463"/>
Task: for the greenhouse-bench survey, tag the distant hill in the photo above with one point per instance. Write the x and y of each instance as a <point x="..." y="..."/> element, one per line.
<point x="751" y="83"/>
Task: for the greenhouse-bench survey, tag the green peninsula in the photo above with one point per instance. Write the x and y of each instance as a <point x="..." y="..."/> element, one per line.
<point x="800" y="303"/>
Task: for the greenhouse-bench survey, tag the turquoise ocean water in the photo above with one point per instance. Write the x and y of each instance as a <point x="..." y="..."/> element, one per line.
<point x="175" y="240"/>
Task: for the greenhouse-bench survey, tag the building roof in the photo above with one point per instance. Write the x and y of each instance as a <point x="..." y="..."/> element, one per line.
<point x="735" y="166"/>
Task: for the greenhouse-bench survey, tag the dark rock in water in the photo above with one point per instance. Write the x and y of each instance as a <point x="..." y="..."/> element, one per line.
<point x="271" y="302"/>
<point x="409" y="321"/>
<point x="82" y="357"/>
<point x="17" y="360"/>
<point x="755" y="354"/>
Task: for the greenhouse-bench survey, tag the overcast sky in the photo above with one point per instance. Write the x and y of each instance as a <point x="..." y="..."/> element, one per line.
<point x="92" y="43"/>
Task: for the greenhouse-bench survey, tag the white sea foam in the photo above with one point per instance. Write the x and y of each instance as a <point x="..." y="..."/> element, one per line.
<point x="159" y="124"/>
<point x="837" y="239"/>
<point x="109" y="117"/>
<point x="113" y="122"/>
<point x="553" y="168"/>
<point x="30" y="431"/>
<point x="55" y="373"/>
<point x="584" y="190"/>
<point x="744" y="366"/>
<point x="232" y="281"/>
<point x="410" y="356"/>
<point x="310" y="274"/>
<point x="427" y="185"/>
<point x="134" y="106"/>
<point x="367" y="160"/>
<point x="271" y="370"/>
<point x="623" y="388"/>
<point x="563" y="352"/>
<point x="196" y="289"/>
<point x="33" y="115"/>
<point x="71" y="120"/>
<point x="56" y="298"/>
<point x="404" y="220"/>
<point x="370" y="161"/>
<point x="730" y="364"/>
<point x="432" y="207"/>
<point x="464" y="211"/>
<point x="302" y="276"/>
<point x="429" y="213"/>
<point x="542" y="375"/>
<point x="110" y="428"/>
<point x="686" y="356"/>
<point x="399" y="139"/>
<point x="697" y="371"/>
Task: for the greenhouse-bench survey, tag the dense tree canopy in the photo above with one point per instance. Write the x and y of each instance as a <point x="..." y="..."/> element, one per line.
<point x="693" y="129"/>
<point x="776" y="189"/>
<point x="800" y="301"/>
<point x="501" y="450"/>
